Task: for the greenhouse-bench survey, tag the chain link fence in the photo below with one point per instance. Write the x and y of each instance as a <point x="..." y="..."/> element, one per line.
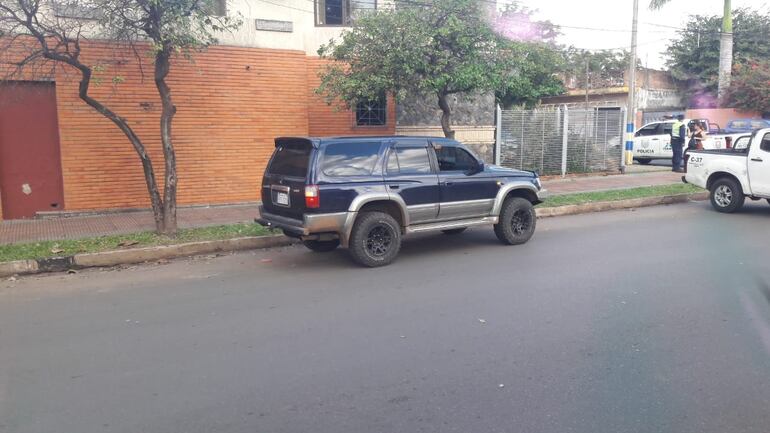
<point x="560" y="140"/>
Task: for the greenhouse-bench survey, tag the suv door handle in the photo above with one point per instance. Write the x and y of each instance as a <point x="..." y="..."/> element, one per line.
<point x="394" y="186"/>
<point x="446" y="183"/>
<point x="757" y="159"/>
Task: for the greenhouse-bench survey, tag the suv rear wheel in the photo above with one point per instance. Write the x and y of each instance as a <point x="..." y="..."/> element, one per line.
<point x="375" y="239"/>
<point x="322" y="246"/>
<point x="727" y="195"/>
<point x="517" y="221"/>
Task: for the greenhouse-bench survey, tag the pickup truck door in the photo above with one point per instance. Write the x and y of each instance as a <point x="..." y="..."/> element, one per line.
<point x="464" y="194"/>
<point x="410" y="174"/>
<point x="651" y="140"/>
<point x="759" y="165"/>
<point x="664" y="140"/>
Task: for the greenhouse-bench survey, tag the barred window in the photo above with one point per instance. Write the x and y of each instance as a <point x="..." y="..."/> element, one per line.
<point x="341" y="12"/>
<point x="372" y="112"/>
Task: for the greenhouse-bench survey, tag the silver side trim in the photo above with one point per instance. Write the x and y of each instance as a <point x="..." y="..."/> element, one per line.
<point x="447" y="225"/>
<point x="508" y="187"/>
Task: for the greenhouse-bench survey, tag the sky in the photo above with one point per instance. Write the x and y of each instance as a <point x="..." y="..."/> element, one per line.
<point x="616" y="15"/>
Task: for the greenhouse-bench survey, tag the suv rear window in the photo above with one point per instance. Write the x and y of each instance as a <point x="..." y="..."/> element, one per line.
<point x="291" y="159"/>
<point x="350" y="159"/>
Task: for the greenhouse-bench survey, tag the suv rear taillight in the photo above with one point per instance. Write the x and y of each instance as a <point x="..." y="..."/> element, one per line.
<point x="312" y="197"/>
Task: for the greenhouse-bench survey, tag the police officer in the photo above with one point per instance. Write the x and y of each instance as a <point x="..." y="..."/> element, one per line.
<point x="678" y="136"/>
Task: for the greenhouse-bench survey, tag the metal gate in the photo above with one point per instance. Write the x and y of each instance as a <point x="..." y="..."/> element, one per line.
<point x="560" y="140"/>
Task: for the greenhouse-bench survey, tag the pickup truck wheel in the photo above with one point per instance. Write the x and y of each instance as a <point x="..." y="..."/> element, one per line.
<point x="322" y="246"/>
<point x="375" y="239"/>
<point x="644" y="161"/>
<point x="454" y="231"/>
<point x="517" y="221"/>
<point x="726" y="195"/>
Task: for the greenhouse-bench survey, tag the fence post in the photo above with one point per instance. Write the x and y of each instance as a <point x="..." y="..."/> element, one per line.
<point x="498" y="134"/>
<point x="624" y="147"/>
<point x="564" y="141"/>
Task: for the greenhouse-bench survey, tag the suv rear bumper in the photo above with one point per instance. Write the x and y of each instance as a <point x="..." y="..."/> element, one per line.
<point x="310" y="223"/>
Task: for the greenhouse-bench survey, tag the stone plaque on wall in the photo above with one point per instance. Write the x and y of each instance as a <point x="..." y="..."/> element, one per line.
<point x="275" y="25"/>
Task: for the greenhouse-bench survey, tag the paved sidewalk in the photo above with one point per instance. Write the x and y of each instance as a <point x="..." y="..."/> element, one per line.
<point x="18" y="231"/>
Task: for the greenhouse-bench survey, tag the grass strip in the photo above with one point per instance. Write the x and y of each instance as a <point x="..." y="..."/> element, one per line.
<point x="620" y="194"/>
<point x="67" y="247"/>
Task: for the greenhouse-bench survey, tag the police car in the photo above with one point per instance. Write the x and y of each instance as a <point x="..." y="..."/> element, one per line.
<point x="653" y="140"/>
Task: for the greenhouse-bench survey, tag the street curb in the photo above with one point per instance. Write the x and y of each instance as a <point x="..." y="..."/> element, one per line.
<point x="140" y="255"/>
<point x="575" y="209"/>
<point x="148" y="254"/>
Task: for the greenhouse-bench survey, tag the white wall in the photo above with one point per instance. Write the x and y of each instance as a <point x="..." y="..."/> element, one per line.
<point x="305" y="36"/>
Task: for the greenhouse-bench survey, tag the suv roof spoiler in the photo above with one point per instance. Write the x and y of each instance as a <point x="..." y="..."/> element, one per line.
<point x="296" y="141"/>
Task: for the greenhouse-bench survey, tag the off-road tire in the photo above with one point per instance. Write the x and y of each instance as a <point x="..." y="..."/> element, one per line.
<point x="517" y="221"/>
<point x="375" y="239"/>
<point x="726" y="195"/>
<point x="454" y="231"/>
<point x="322" y="246"/>
<point x="644" y="161"/>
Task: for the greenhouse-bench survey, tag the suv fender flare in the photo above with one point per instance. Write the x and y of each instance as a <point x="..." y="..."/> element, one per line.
<point x="360" y="201"/>
<point x="507" y="188"/>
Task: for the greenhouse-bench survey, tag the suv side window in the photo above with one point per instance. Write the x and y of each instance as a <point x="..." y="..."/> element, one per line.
<point x="350" y="158"/>
<point x="454" y="159"/>
<point x="409" y="160"/>
<point x="666" y="128"/>
<point x="651" y="129"/>
<point x="742" y="143"/>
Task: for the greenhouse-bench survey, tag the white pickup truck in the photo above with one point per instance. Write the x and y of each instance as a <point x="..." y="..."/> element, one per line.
<point x="731" y="175"/>
<point x="653" y="140"/>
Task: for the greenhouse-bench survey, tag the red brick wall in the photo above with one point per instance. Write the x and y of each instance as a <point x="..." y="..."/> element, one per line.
<point x="324" y="120"/>
<point x="232" y="102"/>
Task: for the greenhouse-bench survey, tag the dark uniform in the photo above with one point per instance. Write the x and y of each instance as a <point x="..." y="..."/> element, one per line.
<point x="678" y="135"/>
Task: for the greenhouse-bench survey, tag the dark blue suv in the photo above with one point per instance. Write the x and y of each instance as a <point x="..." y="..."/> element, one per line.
<point x="365" y="193"/>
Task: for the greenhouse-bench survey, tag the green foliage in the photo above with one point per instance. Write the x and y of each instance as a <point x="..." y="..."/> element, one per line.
<point x="532" y="75"/>
<point x="444" y="47"/>
<point x="620" y="194"/>
<point x="694" y="56"/>
<point x="43" y="249"/>
<point x="750" y="86"/>
<point x="606" y="68"/>
<point x="179" y="26"/>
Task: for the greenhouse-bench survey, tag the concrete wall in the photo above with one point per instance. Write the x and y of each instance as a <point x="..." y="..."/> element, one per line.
<point x="473" y="120"/>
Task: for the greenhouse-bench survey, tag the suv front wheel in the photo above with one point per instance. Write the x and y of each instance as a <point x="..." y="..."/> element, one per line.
<point x="375" y="239"/>
<point x="517" y="221"/>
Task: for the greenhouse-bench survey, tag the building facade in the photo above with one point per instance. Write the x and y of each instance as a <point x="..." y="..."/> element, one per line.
<point x="59" y="155"/>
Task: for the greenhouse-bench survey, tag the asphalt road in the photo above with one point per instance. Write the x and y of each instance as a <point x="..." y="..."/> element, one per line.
<point x="654" y="320"/>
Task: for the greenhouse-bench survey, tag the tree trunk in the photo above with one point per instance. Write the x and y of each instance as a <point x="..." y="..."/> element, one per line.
<point x="725" y="51"/>
<point x="122" y="124"/>
<point x="162" y="67"/>
<point x="446" y="113"/>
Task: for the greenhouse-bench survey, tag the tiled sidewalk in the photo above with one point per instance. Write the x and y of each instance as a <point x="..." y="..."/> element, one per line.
<point x="128" y="222"/>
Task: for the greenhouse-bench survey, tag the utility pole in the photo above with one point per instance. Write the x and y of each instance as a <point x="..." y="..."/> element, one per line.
<point x="631" y="112"/>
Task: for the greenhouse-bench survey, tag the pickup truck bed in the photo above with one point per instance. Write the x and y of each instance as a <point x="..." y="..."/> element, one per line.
<point x="731" y="175"/>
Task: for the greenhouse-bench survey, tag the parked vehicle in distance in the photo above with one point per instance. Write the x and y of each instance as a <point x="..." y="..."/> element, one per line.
<point x="746" y="125"/>
<point x="364" y="193"/>
<point x="731" y="175"/>
<point x="653" y="140"/>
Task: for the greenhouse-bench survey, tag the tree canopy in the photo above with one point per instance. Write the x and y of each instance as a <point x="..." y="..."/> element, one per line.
<point x="694" y="56"/>
<point x="750" y="86"/>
